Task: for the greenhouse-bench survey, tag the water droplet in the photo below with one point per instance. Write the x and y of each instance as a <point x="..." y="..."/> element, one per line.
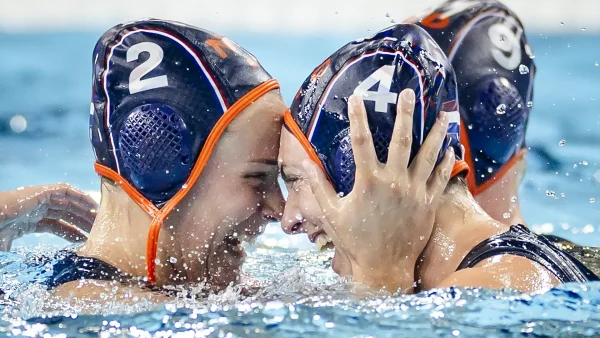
<point x="592" y="200"/>
<point x="584" y="163"/>
<point x="501" y="109"/>
<point x="562" y="23"/>
<point x="550" y="193"/>
<point x="470" y="126"/>
<point x="184" y="186"/>
<point x="18" y="124"/>
<point x="422" y="237"/>
<point x="173" y="260"/>
<point x="583" y="29"/>
<point x="513" y="199"/>
<point x="562" y="143"/>
<point x="506" y="215"/>
<point x="166" y="171"/>
<point x="340" y="194"/>
<point x="597" y="64"/>
<point x="523" y="69"/>
<point x="490" y="170"/>
<point x="563" y="195"/>
<point x="387" y="15"/>
<point x="393" y="185"/>
<point x="529" y="104"/>
<point x="456" y="333"/>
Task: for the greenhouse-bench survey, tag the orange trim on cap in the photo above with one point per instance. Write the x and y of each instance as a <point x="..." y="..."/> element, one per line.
<point x="140" y="200"/>
<point x="471" y="182"/>
<point x="158" y="216"/>
<point x="464" y="140"/>
<point x="289" y="121"/>
<point x="459" y="167"/>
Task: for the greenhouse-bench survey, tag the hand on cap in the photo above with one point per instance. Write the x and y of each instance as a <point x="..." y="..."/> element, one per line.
<point x="58" y="209"/>
<point x="385" y="222"/>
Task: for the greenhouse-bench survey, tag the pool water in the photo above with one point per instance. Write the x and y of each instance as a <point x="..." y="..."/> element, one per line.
<point x="45" y="80"/>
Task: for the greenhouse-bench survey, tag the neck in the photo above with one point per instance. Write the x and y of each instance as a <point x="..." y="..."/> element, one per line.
<point x="501" y="201"/>
<point x="118" y="237"/>
<point x="460" y="224"/>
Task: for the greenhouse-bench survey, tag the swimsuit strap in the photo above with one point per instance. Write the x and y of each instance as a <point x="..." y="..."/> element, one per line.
<point x="520" y="241"/>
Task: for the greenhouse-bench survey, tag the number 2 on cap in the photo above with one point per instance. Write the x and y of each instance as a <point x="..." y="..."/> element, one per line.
<point x="136" y="84"/>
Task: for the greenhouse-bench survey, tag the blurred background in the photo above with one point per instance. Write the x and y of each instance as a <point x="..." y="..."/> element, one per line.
<point x="45" y="85"/>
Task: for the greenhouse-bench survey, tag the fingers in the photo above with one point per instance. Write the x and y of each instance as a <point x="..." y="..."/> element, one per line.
<point x="69" y="217"/>
<point x="80" y="197"/>
<point x="65" y="208"/>
<point x="427" y="156"/>
<point x="400" y="145"/>
<point x="62" y="229"/>
<point x="360" y="136"/>
<point x="321" y="187"/>
<point x="441" y="176"/>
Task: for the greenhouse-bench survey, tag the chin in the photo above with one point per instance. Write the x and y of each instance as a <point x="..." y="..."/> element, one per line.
<point x="341" y="264"/>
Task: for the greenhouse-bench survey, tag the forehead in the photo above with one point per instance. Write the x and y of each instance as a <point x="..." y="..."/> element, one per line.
<point x="257" y="129"/>
<point x="291" y="152"/>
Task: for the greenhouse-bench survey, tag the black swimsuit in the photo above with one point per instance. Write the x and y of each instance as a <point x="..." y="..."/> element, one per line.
<point x="71" y="267"/>
<point x="520" y="241"/>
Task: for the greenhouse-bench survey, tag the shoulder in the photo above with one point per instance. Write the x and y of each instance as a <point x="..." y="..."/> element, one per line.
<point x="504" y="271"/>
<point x="93" y="295"/>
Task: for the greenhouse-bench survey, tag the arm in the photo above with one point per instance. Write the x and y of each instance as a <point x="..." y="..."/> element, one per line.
<point x="58" y="209"/>
<point x="507" y="271"/>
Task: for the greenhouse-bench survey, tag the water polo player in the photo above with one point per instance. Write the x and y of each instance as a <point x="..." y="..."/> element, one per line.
<point x="185" y="127"/>
<point x="384" y="237"/>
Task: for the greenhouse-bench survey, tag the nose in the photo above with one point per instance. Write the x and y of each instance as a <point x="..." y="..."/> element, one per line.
<point x="274" y="205"/>
<point x="292" y="221"/>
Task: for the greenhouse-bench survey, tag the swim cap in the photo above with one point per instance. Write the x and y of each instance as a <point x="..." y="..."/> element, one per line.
<point x="379" y="68"/>
<point x="494" y="68"/>
<point x="162" y="95"/>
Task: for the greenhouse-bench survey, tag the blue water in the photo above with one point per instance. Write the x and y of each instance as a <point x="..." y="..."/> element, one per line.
<point x="47" y="77"/>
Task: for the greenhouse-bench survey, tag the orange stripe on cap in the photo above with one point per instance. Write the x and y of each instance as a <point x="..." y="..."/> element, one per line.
<point x="464" y="140"/>
<point x="459" y="166"/>
<point x="159" y="216"/>
<point x="289" y="121"/>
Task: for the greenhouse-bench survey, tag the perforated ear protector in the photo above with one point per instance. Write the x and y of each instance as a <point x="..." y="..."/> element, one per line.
<point x="156" y="150"/>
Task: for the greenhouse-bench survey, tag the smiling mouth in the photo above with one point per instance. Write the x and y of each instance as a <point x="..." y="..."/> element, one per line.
<point x="322" y="241"/>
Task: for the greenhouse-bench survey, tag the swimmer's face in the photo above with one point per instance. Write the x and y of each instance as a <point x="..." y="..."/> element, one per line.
<point x="302" y="213"/>
<point x="234" y="199"/>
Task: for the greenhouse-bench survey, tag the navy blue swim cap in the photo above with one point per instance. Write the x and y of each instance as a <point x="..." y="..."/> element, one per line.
<point x="163" y="94"/>
<point x="379" y="68"/>
<point x="494" y="67"/>
<point x="159" y="89"/>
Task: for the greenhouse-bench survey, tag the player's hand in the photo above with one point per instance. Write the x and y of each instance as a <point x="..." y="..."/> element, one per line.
<point x="385" y="222"/>
<point x="58" y="209"/>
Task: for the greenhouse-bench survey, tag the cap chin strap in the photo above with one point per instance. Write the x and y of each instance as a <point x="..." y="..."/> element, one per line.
<point x="459" y="166"/>
<point x="159" y="215"/>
